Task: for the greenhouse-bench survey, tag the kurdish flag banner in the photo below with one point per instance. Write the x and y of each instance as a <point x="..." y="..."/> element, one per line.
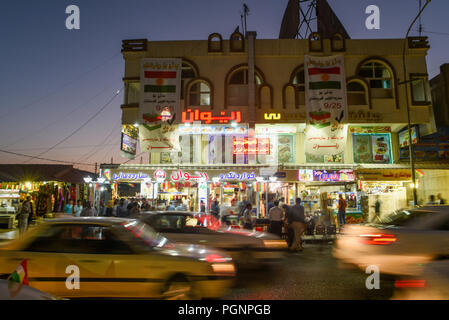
<point x="18" y="278"/>
<point x="159" y="109"/>
<point x="325" y="85"/>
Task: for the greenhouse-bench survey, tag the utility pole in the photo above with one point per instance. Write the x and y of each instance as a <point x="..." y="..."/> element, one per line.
<point x="410" y="141"/>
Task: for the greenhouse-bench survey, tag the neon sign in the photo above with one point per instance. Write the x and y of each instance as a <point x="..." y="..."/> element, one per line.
<point x="187" y="177"/>
<point x="130" y="176"/>
<point x="207" y="117"/>
<point x="259" y="146"/>
<point x="238" y="176"/>
<point x="272" y="116"/>
<point x="341" y="175"/>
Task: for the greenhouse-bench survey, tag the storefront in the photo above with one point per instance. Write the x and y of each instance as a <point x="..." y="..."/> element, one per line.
<point x="320" y="191"/>
<point x="391" y="186"/>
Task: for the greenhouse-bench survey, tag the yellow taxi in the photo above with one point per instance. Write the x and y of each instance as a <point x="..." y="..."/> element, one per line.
<point x="115" y="258"/>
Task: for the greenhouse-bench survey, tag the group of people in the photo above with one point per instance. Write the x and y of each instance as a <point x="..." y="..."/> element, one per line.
<point x="438" y="200"/>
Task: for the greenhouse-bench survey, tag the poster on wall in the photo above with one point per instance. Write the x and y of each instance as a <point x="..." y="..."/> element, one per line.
<point x="159" y="104"/>
<point x="372" y="148"/>
<point x="325" y="144"/>
<point x="325" y="86"/>
<point x="286" y="148"/>
<point x="430" y="147"/>
<point x="128" y="145"/>
<point x="404" y="138"/>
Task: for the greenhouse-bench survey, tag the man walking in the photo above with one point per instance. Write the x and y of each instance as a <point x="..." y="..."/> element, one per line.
<point x="25" y="211"/>
<point x="276" y="216"/>
<point x="297" y="222"/>
<point x="341" y="215"/>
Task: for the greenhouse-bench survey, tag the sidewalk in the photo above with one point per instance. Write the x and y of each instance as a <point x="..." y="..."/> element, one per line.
<point x="11" y="234"/>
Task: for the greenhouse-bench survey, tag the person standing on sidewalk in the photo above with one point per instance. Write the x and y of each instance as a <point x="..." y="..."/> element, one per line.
<point x="77" y="209"/>
<point x="341" y="215"/>
<point x="24" y="213"/>
<point x="248" y="217"/>
<point x="297" y="222"/>
<point x="276" y="216"/>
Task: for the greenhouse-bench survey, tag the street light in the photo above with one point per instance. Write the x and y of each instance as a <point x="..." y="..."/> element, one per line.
<point x="88" y="179"/>
<point x="410" y="143"/>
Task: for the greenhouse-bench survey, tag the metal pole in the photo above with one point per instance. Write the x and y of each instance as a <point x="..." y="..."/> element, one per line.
<point x="411" y="152"/>
<point x="266" y="199"/>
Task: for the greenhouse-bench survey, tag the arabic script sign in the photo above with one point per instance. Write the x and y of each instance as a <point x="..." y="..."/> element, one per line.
<point x="384" y="174"/>
<point x="185" y="176"/>
<point x="325" y="141"/>
<point x="159" y="104"/>
<point x="238" y="176"/>
<point x="207" y="117"/>
<point x="130" y="176"/>
<point x="325" y="84"/>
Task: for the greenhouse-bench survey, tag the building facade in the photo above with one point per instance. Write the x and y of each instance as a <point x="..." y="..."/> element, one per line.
<point x="259" y="84"/>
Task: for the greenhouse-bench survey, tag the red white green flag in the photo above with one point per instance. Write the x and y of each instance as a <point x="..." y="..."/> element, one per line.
<point x="325" y="84"/>
<point x="20" y="275"/>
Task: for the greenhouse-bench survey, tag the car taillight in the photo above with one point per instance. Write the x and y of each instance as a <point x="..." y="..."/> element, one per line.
<point x="378" y="238"/>
<point x="410" y="283"/>
<point x="215" y="258"/>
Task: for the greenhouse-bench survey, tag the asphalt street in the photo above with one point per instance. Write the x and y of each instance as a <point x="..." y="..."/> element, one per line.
<point x="310" y="275"/>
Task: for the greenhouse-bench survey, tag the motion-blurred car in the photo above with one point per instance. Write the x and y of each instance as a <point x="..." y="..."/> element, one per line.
<point x="401" y="245"/>
<point x="116" y="258"/>
<point x="248" y="249"/>
<point x="15" y="291"/>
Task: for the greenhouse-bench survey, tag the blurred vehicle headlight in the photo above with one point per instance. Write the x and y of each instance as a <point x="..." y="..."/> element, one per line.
<point x="275" y="244"/>
<point x="223" y="268"/>
<point x="378" y="238"/>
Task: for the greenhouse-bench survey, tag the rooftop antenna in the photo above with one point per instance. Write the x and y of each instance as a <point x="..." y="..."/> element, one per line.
<point x="307" y="15"/>
<point x="243" y="17"/>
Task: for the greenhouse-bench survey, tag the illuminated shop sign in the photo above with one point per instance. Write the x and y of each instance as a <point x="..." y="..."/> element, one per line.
<point x="238" y="176"/>
<point x="275" y="116"/>
<point x="160" y="174"/>
<point x="260" y="146"/>
<point x="213" y="130"/>
<point x="207" y="117"/>
<point x="274" y="129"/>
<point x="185" y="176"/>
<point x="130" y="176"/>
<point x="324" y="175"/>
<point x="341" y="175"/>
<point x="272" y="116"/>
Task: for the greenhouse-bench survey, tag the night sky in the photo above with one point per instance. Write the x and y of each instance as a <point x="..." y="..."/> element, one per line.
<point x="53" y="79"/>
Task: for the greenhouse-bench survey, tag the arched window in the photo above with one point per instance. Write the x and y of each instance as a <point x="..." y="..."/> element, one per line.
<point x="237" y="43"/>
<point x="237" y="87"/>
<point x="315" y="42"/>
<point x="298" y="81"/>
<point x="188" y="73"/>
<point x="215" y="43"/>
<point x="199" y="93"/>
<point x="379" y="77"/>
<point x="357" y="93"/>
<point x="338" y="42"/>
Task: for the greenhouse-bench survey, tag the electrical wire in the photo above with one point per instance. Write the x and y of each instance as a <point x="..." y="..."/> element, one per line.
<point x="46" y="159"/>
<point x="81" y="127"/>
<point x="84" y="104"/>
<point x="66" y="147"/>
<point x="26" y="106"/>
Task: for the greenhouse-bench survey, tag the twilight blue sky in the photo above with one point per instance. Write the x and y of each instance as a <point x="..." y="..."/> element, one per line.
<point x="53" y="80"/>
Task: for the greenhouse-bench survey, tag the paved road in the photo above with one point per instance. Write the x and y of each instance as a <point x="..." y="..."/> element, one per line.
<point x="310" y="275"/>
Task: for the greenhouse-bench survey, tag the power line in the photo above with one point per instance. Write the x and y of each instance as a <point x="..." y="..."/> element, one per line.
<point x="26" y="106"/>
<point x="101" y="146"/>
<point x="46" y="159"/>
<point x="82" y="126"/>
<point x="66" y="147"/>
<point x="57" y="120"/>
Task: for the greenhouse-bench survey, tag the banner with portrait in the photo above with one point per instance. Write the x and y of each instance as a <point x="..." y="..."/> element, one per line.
<point x="159" y="109"/>
<point x="325" y="86"/>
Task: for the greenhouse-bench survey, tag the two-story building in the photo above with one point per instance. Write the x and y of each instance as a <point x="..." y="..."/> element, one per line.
<point x="263" y="80"/>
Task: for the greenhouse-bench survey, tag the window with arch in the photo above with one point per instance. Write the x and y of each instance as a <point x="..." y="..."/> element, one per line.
<point x="379" y="77"/>
<point x="315" y="42"/>
<point x="357" y="93"/>
<point x="199" y="94"/>
<point x="237" y="87"/>
<point x="298" y="82"/>
<point x="237" y="43"/>
<point x="338" y="42"/>
<point x="215" y="43"/>
<point x="188" y="73"/>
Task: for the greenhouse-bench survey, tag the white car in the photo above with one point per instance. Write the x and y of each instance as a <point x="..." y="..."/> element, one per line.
<point x="402" y="245"/>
